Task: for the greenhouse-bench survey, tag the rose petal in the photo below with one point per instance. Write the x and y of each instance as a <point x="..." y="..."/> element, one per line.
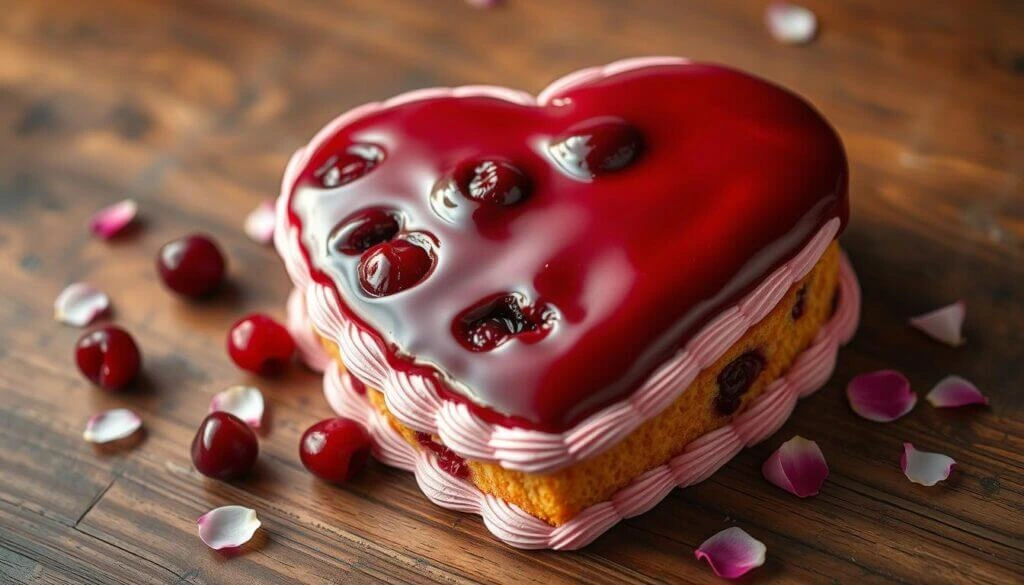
<point x="881" y="396"/>
<point x="111" y="425"/>
<point x="798" y="467"/>
<point x="227" y="527"/>
<point x="923" y="467"/>
<point x="259" y="224"/>
<point x="953" y="391"/>
<point x="732" y="552"/>
<point x="943" y="324"/>
<point x="109" y="221"/>
<point x="80" y="303"/>
<point x="790" y="24"/>
<point x="245" y="402"/>
<point x="484" y="3"/>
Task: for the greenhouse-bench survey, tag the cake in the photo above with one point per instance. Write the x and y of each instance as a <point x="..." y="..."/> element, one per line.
<point x="556" y="309"/>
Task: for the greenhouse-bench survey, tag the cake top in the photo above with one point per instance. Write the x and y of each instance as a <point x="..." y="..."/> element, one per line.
<point x="540" y="260"/>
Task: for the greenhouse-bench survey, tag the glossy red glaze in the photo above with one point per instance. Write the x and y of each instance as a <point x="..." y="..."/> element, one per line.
<point x="192" y="266"/>
<point x="260" y="344"/>
<point x="707" y="179"/>
<point x="446" y="458"/>
<point x="335" y="449"/>
<point x="108" y="357"/>
<point x="224" y="447"/>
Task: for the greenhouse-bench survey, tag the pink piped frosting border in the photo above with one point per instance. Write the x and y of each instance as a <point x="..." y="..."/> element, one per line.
<point x="698" y="461"/>
<point x="415" y="399"/>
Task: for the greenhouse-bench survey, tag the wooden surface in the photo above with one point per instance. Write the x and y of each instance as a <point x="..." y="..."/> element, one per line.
<point x="193" y="106"/>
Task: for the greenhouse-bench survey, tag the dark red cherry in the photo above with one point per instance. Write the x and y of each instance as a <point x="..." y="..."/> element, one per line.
<point x="597" y="146"/>
<point x="735" y="379"/>
<point x="108" y="357"/>
<point x="192" y="266"/>
<point x="335" y="449"/>
<point x="224" y="447"/>
<point x="486" y="325"/>
<point x="260" y="344"/>
<point x="492" y="181"/>
<point x="446" y="458"/>
<point x="353" y="163"/>
<point x="365" y="229"/>
<point x="392" y="267"/>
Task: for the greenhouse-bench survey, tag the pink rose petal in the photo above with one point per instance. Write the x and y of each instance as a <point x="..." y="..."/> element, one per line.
<point x="881" y="396"/>
<point x="259" y="224"/>
<point x="109" y="221"/>
<point x="484" y="3"/>
<point x="954" y="391"/>
<point x="80" y="303"/>
<point x="227" y="527"/>
<point x="790" y="24"/>
<point x="923" y="467"/>
<point x="798" y="467"/>
<point x="111" y="425"/>
<point x="732" y="552"/>
<point x="245" y="402"/>
<point x="945" y="324"/>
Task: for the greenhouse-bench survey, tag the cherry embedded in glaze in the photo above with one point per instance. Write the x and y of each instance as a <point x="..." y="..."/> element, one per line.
<point x="365" y="229"/>
<point x="488" y="324"/>
<point x="735" y="379"/>
<point x="108" y="357"/>
<point x="494" y="182"/>
<point x="335" y="449"/>
<point x="224" y="447"/>
<point x="596" y="147"/>
<point x="356" y="161"/>
<point x="446" y="458"/>
<point x="260" y="344"/>
<point x="192" y="266"/>
<point x="392" y="267"/>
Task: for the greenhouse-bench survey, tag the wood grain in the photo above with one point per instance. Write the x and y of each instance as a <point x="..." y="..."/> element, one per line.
<point x="193" y="106"/>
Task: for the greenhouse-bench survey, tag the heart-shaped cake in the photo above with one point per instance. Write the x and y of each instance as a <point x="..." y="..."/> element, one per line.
<point x="547" y="298"/>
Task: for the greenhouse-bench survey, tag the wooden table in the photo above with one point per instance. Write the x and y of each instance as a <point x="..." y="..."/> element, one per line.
<point x="193" y="106"/>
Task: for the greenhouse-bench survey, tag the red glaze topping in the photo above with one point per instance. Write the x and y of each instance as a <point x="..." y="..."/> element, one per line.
<point x="612" y="224"/>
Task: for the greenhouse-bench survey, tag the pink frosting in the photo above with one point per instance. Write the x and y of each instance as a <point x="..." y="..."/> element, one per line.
<point x="697" y="462"/>
<point x="416" y="401"/>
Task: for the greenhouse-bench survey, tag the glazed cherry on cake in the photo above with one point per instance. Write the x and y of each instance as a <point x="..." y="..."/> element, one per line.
<point x="224" y="447"/>
<point x="192" y="266"/>
<point x="335" y="449"/>
<point x="260" y="344"/>
<point x="108" y="356"/>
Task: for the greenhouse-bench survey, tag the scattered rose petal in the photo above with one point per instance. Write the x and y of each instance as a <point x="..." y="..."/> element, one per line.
<point x="245" y="402"/>
<point x="943" y="324"/>
<point x="227" y="527"/>
<point x="790" y="24"/>
<point x="798" y="467"/>
<point x="954" y="391"/>
<point x="484" y="3"/>
<point x="923" y="467"/>
<point x="732" y="552"/>
<point x="80" y="303"/>
<point x="111" y="425"/>
<point x="259" y="224"/>
<point x="881" y="396"/>
<point x="109" y="221"/>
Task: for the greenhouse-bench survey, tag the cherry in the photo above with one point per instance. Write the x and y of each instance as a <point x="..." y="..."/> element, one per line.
<point x="108" y="356"/>
<point x="365" y="229"/>
<point x="224" y="447"/>
<point x="597" y="146"/>
<point x="335" y="449"/>
<point x="735" y="379"/>
<point x="260" y="344"/>
<point x="488" y="324"/>
<point x="446" y="458"/>
<point x="392" y="267"/>
<point x="192" y="266"/>
<point x="492" y="181"/>
<point x="356" y="161"/>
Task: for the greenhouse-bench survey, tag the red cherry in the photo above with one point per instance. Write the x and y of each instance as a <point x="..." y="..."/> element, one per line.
<point x="224" y="447"/>
<point x="364" y="230"/>
<point x="597" y="146"/>
<point x="356" y="161"/>
<point x="446" y="458"/>
<point x="392" y="267"/>
<point x="335" y="449"/>
<point x="492" y="181"/>
<point x="192" y="266"/>
<point x="260" y="344"/>
<point x="108" y="357"/>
